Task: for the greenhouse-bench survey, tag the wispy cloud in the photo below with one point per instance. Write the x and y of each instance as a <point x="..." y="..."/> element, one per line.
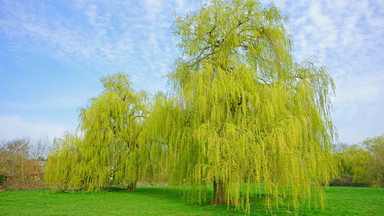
<point x="347" y="37"/>
<point x="104" y="37"/>
<point x="15" y="126"/>
<point x="56" y="102"/>
<point x="99" y="34"/>
<point x="135" y="38"/>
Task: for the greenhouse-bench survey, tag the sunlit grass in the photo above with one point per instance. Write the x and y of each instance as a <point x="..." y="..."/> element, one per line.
<point x="165" y="200"/>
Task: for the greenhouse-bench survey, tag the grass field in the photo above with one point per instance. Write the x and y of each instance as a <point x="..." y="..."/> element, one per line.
<point x="158" y="200"/>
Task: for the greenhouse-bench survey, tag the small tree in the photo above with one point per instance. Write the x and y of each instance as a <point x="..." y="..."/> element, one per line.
<point x="40" y="150"/>
<point x="13" y="155"/>
<point x="375" y="147"/>
<point x="106" y="152"/>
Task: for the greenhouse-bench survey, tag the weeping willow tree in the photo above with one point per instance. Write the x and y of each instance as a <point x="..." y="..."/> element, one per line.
<point x="63" y="161"/>
<point x="245" y="117"/>
<point x="106" y="151"/>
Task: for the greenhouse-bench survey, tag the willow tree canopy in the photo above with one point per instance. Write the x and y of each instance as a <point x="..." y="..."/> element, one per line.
<point x="106" y="151"/>
<point x="245" y="117"/>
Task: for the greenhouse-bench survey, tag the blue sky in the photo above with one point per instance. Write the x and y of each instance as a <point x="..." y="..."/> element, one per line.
<point x="52" y="54"/>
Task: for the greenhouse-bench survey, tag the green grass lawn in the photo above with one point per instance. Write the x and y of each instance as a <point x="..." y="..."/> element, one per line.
<point x="157" y="200"/>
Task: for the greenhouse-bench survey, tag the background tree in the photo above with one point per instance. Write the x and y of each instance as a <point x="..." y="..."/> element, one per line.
<point x="106" y="151"/>
<point x="353" y="165"/>
<point x="13" y="169"/>
<point x="21" y="163"/>
<point x="39" y="151"/>
<point x="375" y="146"/>
<point x="245" y="117"/>
<point x="38" y="154"/>
<point x="361" y="165"/>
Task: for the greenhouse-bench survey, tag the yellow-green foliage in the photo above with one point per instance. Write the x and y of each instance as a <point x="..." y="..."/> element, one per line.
<point x="63" y="161"/>
<point x="375" y="147"/>
<point x="106" y="150"/>
<point x="355" y="161"/>
<point x="243" y="112"/>
<point x="365" y="163"/>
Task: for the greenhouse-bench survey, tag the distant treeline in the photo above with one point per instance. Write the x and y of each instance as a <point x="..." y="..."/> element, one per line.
<point x="360" y="165"/>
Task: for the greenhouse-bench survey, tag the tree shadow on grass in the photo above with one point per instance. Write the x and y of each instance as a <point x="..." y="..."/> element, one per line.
<point x="175" y="194"/>
<point x="162" y="192"/>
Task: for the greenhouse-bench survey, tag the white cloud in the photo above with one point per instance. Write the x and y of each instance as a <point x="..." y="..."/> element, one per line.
<point x="56" y="102"/>
<point x="359" y="106"/>
<point x="153" y="8"/>
<point x="345" y="36"/>
<point x="359" y="89"/>
<point x="15" y="126"/>
<point x="320" y="19"/>
<point x="180" y="5"/>
<point x="61" y="37"/>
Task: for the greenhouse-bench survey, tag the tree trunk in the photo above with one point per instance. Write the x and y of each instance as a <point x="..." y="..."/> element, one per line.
<point x="219" y="197"/>
<point x="132" y="183"/>
<point x="131" y="186"/>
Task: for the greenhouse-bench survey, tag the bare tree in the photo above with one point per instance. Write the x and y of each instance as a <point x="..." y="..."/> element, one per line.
<point x="21" y="163"/>
<point x="40" y="149"/>
<point x="14" y="153"/>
